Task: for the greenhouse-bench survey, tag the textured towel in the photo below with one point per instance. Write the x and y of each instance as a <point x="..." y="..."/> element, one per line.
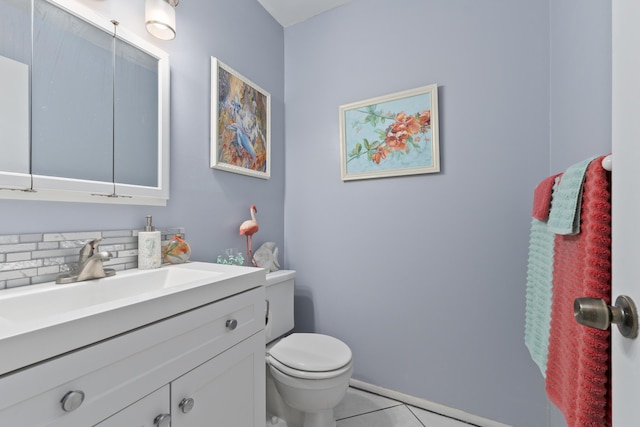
<point x="578" y="373"/>
<point x="542" y="198"/>
<point x="538" y="293"/>
<point x="564" y="217"/>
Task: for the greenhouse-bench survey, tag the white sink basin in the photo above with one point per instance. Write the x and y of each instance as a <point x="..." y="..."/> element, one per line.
<point x="45" y="301"/>
<point x="41" y="321"/>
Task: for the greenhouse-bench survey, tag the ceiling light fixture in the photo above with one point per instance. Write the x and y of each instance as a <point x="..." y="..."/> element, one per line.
<point x="160" y="18"/>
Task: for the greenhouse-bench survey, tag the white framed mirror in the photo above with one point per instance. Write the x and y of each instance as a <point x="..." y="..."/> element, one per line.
<point x="99" y="108"/>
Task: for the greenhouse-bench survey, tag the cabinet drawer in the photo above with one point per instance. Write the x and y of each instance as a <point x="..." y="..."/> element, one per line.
<point x="122" y="370"/>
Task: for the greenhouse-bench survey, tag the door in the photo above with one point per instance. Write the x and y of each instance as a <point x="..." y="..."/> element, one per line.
<point x="228" y="390"/>
<point x="626" y="203"/>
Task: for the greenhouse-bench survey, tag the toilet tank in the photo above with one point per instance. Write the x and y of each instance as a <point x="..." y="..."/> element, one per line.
<point x="279" y="290"/>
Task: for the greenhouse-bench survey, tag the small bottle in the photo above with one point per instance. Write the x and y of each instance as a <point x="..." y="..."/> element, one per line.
<point x="149" y="247"/>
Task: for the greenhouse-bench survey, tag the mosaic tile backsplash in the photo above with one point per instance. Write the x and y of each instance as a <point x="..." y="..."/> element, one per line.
<point x="29" y="259"/>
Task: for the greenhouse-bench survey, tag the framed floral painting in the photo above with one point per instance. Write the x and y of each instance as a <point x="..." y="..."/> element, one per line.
<point x="240" y="123"/>
<point x="390" y="135"/>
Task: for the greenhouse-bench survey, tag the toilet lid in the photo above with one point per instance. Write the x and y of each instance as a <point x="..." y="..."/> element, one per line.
<point x="311" y="352"/>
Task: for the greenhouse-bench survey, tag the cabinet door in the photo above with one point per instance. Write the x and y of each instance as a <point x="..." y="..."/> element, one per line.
<point x="143" y="413"/>
<point x="228" y="390"/>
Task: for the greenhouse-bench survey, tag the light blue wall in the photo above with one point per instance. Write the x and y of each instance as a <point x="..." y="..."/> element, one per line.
<point x="209" y="203"/>
<point x="580" y="55"/>
<point x="424" y="276"/>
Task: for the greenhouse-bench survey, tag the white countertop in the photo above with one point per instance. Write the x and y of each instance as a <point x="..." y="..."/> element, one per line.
<point x="38" y="322"/>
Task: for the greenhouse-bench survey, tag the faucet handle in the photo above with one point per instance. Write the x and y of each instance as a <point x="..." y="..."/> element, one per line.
<point x="89" y="249"/>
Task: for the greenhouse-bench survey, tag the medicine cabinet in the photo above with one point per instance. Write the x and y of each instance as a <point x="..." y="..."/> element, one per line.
<point x="87" y="112"/>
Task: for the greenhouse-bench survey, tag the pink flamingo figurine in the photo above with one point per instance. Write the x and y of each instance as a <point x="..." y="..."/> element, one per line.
<point x="248" y="228"/>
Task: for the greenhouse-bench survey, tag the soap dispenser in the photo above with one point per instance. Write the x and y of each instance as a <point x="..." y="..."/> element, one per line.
<point x="149" y="246"/>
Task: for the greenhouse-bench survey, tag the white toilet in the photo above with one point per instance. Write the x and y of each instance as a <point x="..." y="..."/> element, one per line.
<point x="307" y="374"/>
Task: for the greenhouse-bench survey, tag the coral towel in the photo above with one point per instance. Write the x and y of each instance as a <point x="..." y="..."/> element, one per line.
<point x="542" y="198"/>
<point x="578" y="374"/>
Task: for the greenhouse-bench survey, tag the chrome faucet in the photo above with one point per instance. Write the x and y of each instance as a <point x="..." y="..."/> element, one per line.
<point x="90" y="265"/>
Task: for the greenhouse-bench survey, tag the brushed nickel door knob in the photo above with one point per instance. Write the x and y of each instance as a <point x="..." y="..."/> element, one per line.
<point x="595" y="313"/>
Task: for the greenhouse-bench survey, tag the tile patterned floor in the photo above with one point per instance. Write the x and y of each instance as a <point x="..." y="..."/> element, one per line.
<point x="362" y="409"/>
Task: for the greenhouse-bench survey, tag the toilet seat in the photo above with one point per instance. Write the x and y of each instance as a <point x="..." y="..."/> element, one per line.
<point x="304" y="375"/>
<point x="310" y="356"/>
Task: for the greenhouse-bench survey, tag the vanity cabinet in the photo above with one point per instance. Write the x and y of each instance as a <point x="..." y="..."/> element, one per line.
<point x="203" y="367"/>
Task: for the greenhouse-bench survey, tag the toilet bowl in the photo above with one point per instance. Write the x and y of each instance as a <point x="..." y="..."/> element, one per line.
<point x="311" y="372"/>
<point x="307" y="374"/>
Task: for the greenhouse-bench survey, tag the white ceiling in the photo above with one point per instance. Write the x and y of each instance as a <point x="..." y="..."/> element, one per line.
<point x="289" y="12"/>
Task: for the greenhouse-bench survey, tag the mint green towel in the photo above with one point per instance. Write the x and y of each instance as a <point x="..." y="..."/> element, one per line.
<point x="564" y="217"/>
<point x="538" y="294"/>
<point x="539" y="288"/>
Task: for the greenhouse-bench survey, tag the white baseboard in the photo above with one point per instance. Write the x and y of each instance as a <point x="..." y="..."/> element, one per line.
<point x="425" y="404"/>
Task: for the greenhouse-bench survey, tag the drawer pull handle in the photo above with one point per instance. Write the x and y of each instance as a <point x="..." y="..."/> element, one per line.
<point x="72" y="400"/>
<point x="267" y="312"/>
<point x="231" y="324"/>
<point x="186" y="405"/>
<point x="162" y="420"/>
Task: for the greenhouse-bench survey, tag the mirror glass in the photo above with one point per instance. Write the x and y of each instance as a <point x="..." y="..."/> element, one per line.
<point x="136" y="148"/>
<point x="15" y="57"/>
<point x="72" y="81"/>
